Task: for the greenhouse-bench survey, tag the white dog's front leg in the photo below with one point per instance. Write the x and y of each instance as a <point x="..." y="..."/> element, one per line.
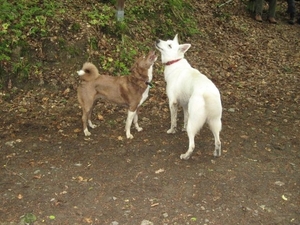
<point x="130" y="117"/>
<point x="135" y="121"/>
<point x="173" y="111"/>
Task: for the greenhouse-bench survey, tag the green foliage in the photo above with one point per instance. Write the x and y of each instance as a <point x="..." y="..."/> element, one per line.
<point x="24" y="22"/>
<point x="21" y="20"/>
<point x="22" y="68"/>
<point x="163" y="18"/>
<point x="75" y="27"/>
<point x="145" y="18"/>
<point x="102" y="17"/>
<point x="28" y="218"/>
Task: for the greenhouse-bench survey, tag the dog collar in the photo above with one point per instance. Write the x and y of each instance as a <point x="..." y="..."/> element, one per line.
<point x="149" y="84"/>
<point x="171" y="62"/>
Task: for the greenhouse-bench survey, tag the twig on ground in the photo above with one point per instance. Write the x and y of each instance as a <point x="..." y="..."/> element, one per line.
<point x="219" y="6"/>
<point x="14" y="173"/>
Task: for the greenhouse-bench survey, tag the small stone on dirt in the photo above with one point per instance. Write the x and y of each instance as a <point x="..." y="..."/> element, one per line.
<point x="147" y="222"/>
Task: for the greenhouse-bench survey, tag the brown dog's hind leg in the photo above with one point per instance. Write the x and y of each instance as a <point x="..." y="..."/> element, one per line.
<point x="84" y="122"/>
<point x="86" y="116"/>
<point x="89" y="119"/>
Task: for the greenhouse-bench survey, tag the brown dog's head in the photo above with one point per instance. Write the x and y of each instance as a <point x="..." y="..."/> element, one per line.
<point x="143" y="63"/>
<point x="147" y="61"/>
<point x="88" y="72"/>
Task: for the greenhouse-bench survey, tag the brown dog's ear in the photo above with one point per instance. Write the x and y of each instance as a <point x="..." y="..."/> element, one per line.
<point x="134" y="65"/>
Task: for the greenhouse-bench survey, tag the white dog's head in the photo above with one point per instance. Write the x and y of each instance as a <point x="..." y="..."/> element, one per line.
<point x="171" y="50"/>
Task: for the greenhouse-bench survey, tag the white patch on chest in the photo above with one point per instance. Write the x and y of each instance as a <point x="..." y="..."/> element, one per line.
<point x="146" y="92"/>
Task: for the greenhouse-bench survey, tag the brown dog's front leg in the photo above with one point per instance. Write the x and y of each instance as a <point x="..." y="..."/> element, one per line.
<point x="130" y="117"/>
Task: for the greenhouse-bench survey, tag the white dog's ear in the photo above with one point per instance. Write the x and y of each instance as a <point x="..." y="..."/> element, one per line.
<point x="176" y="38"/>
<point x="183" y="48"/>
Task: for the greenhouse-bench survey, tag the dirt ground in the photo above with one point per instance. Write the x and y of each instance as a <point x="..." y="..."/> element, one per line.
<point x="52" y="174"/>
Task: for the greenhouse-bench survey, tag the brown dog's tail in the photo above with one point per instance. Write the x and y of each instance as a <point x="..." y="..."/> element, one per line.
<point x="88" y="72"/>
<point x="90" y="68"/>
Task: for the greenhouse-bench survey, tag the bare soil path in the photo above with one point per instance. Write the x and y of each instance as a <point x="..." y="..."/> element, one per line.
<point x="49" y="170"/>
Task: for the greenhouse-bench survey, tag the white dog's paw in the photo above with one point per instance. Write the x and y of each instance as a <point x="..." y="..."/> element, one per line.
<point x="129" y="136"/>
<point x="185" y="156"/>
<point x="86" y="132"/>
<point x="139" y="129"/>
<point x="171" y="131"/>
<point x="217" y="153"/>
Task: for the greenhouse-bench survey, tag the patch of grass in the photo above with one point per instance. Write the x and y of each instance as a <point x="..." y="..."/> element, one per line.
<point x="102" y="17"/>
<point x="22" y="68"/>
<point x="160" y="16"/>
<point x="21" y="20"/>
<point x="287" y="69"/>
<point x="148" y="19"/>
<point x="24" y="24"/>
<point x="28" y="218"/>
<point x="75" y="27"/>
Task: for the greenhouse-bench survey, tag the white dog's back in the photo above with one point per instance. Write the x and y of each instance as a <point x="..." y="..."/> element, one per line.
<point x="188" y="82"/>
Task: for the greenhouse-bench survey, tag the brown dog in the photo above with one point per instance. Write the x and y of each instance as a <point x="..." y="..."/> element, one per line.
<point x="130" y="91"/>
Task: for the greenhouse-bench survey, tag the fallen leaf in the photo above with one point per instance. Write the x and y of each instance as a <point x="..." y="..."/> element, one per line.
<point x="120" y="138"/>
<point x="88" y="220"/>
<point x="66" y="91"/>
<point x="159" y="171"/>
<point x="77" y="130"/>
<point x="279" y="183"/>
<point x="20" y="196"/>
<point x="52" y="217"/>
<point x="100" y="117"/>
<point x="38" y="176"/>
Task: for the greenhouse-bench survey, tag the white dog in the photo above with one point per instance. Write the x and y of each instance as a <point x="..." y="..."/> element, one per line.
<point x="198" y="96"/>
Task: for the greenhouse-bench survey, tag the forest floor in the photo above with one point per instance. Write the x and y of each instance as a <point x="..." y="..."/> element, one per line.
<point x="51" y="172"/>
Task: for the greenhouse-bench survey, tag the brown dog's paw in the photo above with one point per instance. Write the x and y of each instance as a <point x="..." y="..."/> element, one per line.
<point x="86" y="132"/>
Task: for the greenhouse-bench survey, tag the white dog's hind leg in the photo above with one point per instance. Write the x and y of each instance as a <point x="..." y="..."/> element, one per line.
<point x="191" y="146"/>
<point x="135" y="121"/>
<point x="215" y="126"/>
<point x="186" y="116"/>
<point x="196" y="119"/>
<point x="173" y="111"/>
<point x="130" y="117"/>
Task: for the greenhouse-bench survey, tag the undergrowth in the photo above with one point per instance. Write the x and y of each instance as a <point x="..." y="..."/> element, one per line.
<point x="21" y="22"/>
<point x="24" y="24"/>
